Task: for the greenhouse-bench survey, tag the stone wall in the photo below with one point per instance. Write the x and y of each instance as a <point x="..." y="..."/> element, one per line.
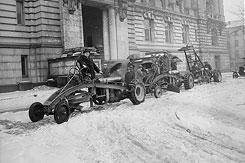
<point x="199" y="33"/>
<point x="72" y="27"/>
<point x="39" y="38"/>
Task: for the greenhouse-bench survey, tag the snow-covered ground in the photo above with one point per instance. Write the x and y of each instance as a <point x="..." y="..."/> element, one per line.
<point x="205" y="124"/>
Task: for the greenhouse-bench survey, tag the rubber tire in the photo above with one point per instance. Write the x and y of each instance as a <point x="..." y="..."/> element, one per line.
<point x="36" y="112"/>
<point x="57" y="113"/>
<point x="188" y="81"/>
<point x="235" y="75"/>
<point x="157" y="92"/>
<point x="137" y="95"/>
<point x="217" y="76"/>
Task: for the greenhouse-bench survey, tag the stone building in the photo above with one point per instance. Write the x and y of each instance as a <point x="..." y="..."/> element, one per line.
<point x="236" y="43"/>
<point x="31" y="31"/>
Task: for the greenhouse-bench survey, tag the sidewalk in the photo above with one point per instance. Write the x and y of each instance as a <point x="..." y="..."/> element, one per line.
<point x="21" y="100"/>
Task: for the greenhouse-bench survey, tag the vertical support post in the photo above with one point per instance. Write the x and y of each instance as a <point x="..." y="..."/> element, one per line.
<point x="112" y="30"/>
<point x="106" y="43"/>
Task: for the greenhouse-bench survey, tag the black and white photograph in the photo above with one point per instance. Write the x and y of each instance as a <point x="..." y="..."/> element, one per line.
<point x="122" y="81"/>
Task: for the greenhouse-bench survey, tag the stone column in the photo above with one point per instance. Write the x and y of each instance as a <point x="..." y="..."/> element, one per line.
<point x="106" y="43"/>
<point x="112" y="33"/>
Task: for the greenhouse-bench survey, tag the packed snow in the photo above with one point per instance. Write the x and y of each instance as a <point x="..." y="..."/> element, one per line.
<point x="204" y="124"/>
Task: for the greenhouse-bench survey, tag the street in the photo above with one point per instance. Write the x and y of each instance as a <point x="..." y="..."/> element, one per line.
<point x="204" y="124"/>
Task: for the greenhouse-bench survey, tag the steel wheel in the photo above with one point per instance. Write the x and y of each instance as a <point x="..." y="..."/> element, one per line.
<point x="36" y="112"/>
<point x="158" y="92"/>
<point x="189" y="81"/>
<point x="61" y="113"/>
<point x="235" y="75"/>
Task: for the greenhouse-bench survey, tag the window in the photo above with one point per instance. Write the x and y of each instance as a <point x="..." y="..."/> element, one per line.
<point x="149" y="29"/>
<point x="214" y="37"/>
<point x="187" y="11"/>
<point x="179" y="5"/>
<point x="236" y="43"/>
<point x="195" y="35"/>
<point x="151" y="3"/>
<point x="169" y="32"/>
<point x="159" y="3"/>
<point x="236" y="53"/>
<point x="24" y="66"/>
<point x="185" y="34"/>
<point x="165" y="3"/>
<point x="217" y="62"/>
<point x="20" y="12"/>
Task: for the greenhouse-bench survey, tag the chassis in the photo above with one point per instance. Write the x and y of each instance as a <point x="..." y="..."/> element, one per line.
<point x="79" y="89"/>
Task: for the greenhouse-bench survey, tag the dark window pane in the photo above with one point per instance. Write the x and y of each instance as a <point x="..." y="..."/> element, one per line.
<point x="20" y="12"/>
<point x="24" y="65"/>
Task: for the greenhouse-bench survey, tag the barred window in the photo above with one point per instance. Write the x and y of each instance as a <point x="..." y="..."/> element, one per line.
<point x="20" y="12"/>
<point x="149" y="29"/>
<point x="214" y="37"/>
<point x="169" y="32"/>
<point x="185" y="34"/>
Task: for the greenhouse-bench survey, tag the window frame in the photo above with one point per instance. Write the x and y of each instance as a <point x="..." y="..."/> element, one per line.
<point x="149" y="29"/>
<point x="169" y="33"/>
<point x="24" y="65"/>
<point x="20" y="12"/>
<point x="196" y="37"/>
<point x="214" y="37"/>
<point x="185" y="33"/>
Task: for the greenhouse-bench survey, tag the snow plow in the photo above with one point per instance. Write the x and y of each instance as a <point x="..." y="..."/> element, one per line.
<point x="82" y="88"/>
<point x="202" y="72"/>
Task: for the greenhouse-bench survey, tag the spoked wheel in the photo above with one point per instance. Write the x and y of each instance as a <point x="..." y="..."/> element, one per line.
<point x="61" y="113"/>
<point x="157" y="92"/>
<point x="36" y="112"/>
<point x="217" y="76"/>
<point x="137" y="95"/>
<point x="235" y="75"/>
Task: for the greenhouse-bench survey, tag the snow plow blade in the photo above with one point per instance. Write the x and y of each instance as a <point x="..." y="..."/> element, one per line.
<point x="173" y="88"/>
